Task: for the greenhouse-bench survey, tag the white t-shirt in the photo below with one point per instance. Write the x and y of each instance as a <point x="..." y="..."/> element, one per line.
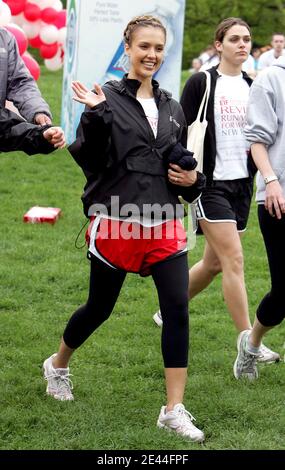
<point x="267" y="58"/>
<point x="151" y="112"/>
<point x="231" y="97"/>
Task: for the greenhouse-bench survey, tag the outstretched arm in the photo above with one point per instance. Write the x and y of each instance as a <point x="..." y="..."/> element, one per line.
<point x="17" y="134"/>
<point x="55" y="136"/>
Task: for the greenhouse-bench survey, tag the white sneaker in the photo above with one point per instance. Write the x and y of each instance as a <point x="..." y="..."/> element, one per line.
<point x="267" y="356"/>
<point x="180" y="420"/>
<point x="59" y="384"/>
<point x="157" y="318"/>
<point x="245" y="363"/>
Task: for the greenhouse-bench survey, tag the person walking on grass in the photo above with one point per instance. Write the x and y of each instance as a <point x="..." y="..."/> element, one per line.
<point x="223" y="208"/>
<point x="265" y="132"/>
<point x="128" y="133"/>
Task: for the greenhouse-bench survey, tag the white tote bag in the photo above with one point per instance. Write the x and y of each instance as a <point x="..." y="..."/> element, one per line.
<point x="197" y="130"/>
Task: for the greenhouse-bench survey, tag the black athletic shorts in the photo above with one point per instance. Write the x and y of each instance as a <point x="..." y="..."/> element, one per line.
<point x="226" y="201"/>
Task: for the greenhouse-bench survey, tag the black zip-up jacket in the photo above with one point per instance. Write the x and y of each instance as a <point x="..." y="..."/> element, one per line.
<point x="17" y="134"/>
<point x="120" y="156"/>
<point x="191" y="98"/>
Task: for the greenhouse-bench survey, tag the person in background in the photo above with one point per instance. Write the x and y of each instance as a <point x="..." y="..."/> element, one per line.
<point x="223" y="208"/>
<point x="278" y="49"/>
<point x="18" y="86"/>
<point x="256" y="52"/>
<point x="128" y="136"/>
<point x="196" y="64"/>
<point x="209" y="52"/>
<point x="265" y="132"/>
<point x="212" y="60"/>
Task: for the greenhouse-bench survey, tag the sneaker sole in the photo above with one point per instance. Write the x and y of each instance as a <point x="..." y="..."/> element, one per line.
<point x="197" y="439"/>
<point x="157" y="320"/>
<point x="56" y="397"/>
<point x="272" y="361"/>
<point x="236" y="361"/>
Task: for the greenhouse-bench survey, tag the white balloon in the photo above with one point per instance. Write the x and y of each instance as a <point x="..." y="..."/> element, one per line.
<point x="55" y="63"/>
<point x="31" y="28"/>
<point x="62" y="35"/>
<point x="5" y="14"/>
<point x="47" y="3"/>
<point x="58" y="5"/>
<point x="49" y="34"/>
<point x="18" y="19"/>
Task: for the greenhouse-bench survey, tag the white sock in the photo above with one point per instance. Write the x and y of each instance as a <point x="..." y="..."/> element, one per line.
<point x="252" y="349"/>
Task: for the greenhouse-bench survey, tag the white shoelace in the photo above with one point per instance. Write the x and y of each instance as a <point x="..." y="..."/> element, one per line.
<point x="64" y="383"/>
<point x="248" y="362"/>
<point x="185" y="416"/>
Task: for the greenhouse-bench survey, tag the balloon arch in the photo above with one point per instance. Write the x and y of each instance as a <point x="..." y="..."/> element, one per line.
<point x="40" y="24"/>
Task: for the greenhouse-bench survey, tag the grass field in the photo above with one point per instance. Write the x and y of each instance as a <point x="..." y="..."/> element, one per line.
<point x="118" y="374"/>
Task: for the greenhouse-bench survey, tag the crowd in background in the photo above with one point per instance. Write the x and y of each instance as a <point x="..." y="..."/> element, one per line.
<point x="259" y="58"/>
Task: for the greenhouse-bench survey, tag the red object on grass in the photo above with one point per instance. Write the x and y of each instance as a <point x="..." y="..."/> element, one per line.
<point x="38" y="215"/>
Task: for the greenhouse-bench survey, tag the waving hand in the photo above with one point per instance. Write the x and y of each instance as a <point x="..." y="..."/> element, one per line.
<point x="88" y="97"/>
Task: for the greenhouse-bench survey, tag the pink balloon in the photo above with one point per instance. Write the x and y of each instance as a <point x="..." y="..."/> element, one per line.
<point x="16" y="6"/>
<point x="20" y="37"/>
<point x="32" y="12"/>
<point x="49" y="15"/>
<point x="60" y="21"/>
<point x="47" y="51"/>
<point x="32" y="65"/>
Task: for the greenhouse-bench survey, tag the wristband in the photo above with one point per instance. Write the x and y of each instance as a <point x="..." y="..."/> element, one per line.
<point x="269" y="179"/>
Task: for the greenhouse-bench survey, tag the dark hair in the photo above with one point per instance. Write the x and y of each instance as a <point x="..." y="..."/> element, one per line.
<point x="226" y="24"/>
<point x="277" y="34"/>
<point x="138" y="21"/>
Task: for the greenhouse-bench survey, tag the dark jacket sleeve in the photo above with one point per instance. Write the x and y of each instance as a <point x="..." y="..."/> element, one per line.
<point x="189" y="193"/>
<point x="17" y="134"/>
<point x="92" y="142"/>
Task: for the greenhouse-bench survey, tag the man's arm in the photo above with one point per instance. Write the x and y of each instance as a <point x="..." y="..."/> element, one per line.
<point x="17" y="134"/>
<point x="22" y="89"/>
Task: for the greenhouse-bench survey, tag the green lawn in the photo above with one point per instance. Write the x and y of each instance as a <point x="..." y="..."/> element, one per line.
<point x="118" y="374"/>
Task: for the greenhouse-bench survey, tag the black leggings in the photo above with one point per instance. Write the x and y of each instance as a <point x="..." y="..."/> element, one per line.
<point x="171" y="279"/>
<point x="271" y="310"/>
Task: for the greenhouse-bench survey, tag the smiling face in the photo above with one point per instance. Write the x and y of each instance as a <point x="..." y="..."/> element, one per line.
<point x="145" y="50"/>
<point x="235" y="45"/>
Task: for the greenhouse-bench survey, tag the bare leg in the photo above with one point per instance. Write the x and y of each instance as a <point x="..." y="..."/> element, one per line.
<point x="61" y="360"/>
<point x="203" y="272"/>
<point x="176" y="379"/>
<point x="257" y="333"/>
<point x="224" y="240"/>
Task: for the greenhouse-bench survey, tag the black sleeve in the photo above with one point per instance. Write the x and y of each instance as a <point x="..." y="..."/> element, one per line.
<point x="192" y="95"/>
<point x="92" y="137"/>
<point x="17" y="134"/>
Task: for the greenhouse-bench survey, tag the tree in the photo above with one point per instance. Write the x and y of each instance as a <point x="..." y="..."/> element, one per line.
<point x="202" y="16"/>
